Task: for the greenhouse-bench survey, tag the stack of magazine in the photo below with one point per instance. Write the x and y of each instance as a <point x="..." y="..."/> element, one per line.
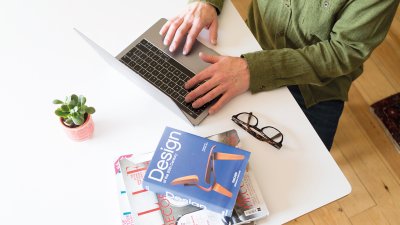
<point x="140" y="206"/>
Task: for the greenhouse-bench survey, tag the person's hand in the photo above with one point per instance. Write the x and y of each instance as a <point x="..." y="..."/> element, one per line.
<point x="226" y="76"/>
<point x="197" y="16"/>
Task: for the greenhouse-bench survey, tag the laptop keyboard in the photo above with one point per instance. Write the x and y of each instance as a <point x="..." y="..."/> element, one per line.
<point x="164" y="72"/>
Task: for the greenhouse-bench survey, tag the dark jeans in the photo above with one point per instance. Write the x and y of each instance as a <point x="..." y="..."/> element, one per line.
<point x="324" y="116"/>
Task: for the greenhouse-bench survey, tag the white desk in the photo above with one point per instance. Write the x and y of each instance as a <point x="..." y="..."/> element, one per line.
<point x="47" y="178"/>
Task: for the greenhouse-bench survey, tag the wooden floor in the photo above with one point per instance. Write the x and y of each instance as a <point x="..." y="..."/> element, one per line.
<point x="362" y="150"/>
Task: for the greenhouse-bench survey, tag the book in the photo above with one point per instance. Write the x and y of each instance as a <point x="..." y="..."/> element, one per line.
<point x="199" y="171"/>
<point x="387" y="111"/>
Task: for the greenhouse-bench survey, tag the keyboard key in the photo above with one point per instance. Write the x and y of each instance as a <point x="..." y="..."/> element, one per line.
<point x="166" y="80"/>
<point x="137" y="68"/>
<point x="158" y="83"/>
<point x="159" y="67"/>
<point x="139" y="61"/>
<point x="164" y="86"/>
<point x="171" y="69"/>
<point x="160" y="61"/>
<point x="183" y="77"/>
<point x="171" y="84"/>
<point x="155" y="72"/>
<point x="175" y="79"/>
<point x="177" y="88"/>
<point x="153" y="79"/>
<point x="126" y="59"/>
<point x="177" y="73"/>
<point x="183" y="92"/>
<point x="174" y="95"/>
<point x="145" y="65"/>
<point x="153" y="63"/>
<point x="180" y="83"/>
<point x="166" y="65"/>
<point x="155" y="58"/>
<point x="134" y="58"/>
<point x="160" y="76"/>
<point x="150" y="69"/>
<point x="170" y="91"/>
<point x="143" y="48"/>
<point x="142" y="71"/>
<point x="164" y="71"/>
<point x="180" y="99"/>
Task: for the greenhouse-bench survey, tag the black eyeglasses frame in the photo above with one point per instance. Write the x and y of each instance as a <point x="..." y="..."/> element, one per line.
<point x="256" y="132"/>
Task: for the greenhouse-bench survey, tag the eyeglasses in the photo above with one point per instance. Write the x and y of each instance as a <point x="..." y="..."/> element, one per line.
<point x="269" y="134"/>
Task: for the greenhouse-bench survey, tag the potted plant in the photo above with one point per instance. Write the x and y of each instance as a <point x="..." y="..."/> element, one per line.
<point x="75" y="117"/>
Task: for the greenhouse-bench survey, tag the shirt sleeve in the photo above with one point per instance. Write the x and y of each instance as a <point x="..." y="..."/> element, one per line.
<point x="218" y="4"/>
<point x="361" y="26"/>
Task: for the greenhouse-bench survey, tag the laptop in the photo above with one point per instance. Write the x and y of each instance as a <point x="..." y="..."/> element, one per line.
<point x="160" y="73"/>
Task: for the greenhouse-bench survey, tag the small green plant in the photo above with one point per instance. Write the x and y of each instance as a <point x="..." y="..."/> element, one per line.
<point x="73" y="110"/>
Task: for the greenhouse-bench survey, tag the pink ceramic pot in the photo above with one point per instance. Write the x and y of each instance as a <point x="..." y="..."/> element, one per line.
<point x="81" y="133"/>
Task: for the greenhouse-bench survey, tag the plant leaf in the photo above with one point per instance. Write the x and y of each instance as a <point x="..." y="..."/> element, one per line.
<point x="82" y="110"/>
<point x="64" y="108"/>
<point x="60" y="113"/>
<point x="56" y="101"/>
<point x="77" y="120"/>
<point x="82" y="100"/>
<point x="90" y="110"/>
<point x="74" y="97"/>
<point x="68" y="121"/>
<point x="72" y="111"/>
<point x="72" y="104"/>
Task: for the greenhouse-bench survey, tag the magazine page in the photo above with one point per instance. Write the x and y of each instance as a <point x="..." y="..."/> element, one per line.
<point x="131" y="193"/>
<point x="177" y="212"/>
<point x="126" y="216"/>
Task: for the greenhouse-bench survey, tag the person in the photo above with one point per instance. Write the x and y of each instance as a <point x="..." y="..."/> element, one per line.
<point x="315" y="48"/>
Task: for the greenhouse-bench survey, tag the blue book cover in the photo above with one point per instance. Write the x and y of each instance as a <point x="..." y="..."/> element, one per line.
<point x="202" y="172"/>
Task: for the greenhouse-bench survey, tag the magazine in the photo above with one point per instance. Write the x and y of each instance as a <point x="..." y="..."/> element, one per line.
<point x="141" y="209"/>
<point x="250" y="205"/>
<point x="387" y="111"/>
<point x="199" y="171"/>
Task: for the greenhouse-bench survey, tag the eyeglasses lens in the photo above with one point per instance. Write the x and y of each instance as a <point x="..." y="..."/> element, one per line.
<point x="273" y="134"/>
<point x="248" y="118"/>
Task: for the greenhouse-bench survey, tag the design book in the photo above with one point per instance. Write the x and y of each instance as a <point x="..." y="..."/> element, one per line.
<point x="202" y="172"/>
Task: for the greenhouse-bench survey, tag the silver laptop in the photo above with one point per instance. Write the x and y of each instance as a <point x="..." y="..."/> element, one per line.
<point x="162" y="74"/>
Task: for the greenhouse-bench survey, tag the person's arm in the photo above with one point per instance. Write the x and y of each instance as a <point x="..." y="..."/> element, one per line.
<point x="218" y="4"/>
<point x="361" y="27"/>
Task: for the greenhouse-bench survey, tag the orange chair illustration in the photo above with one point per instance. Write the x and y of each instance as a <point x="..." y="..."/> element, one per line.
<point x="193" y="180"/>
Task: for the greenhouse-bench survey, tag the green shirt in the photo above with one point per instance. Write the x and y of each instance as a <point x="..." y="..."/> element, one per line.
<point x="319" y="45"/>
